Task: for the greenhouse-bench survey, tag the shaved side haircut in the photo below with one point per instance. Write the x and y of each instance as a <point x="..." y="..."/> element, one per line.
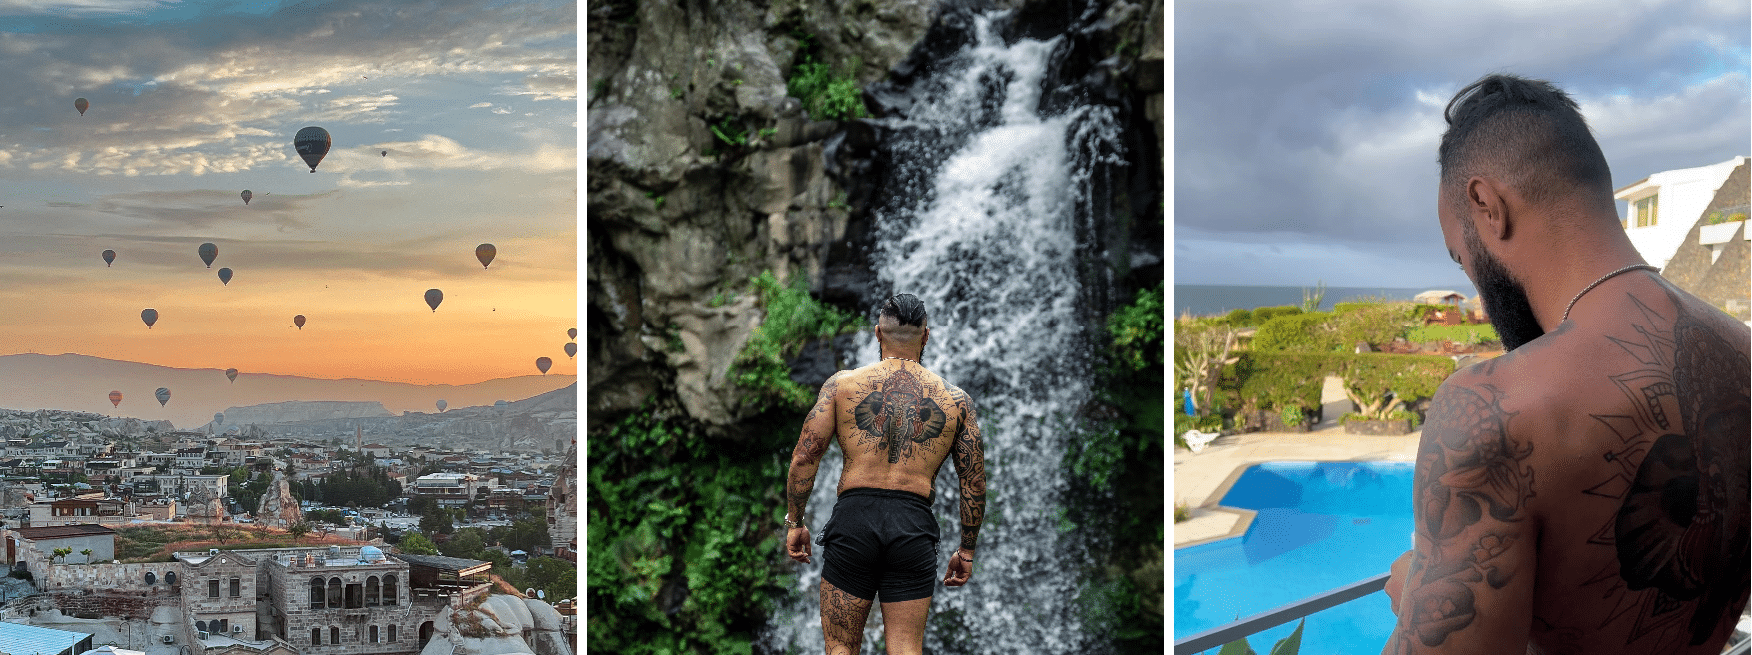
<point x="902" y="318"/>
<point x="1527" y="133"/>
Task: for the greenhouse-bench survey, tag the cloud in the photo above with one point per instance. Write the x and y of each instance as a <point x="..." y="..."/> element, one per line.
<point x="550" y="87"/>
<point x="501" y="111"/>
<point x="191" y="104"/>
<point x="1305" y="122"/>
<point x="78" y="7"/>
<point x="443" y="153"/>
<point x="479" y="105"/>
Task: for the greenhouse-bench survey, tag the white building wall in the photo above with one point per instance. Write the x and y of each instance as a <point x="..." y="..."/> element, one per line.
<point x="1682" y="195"/>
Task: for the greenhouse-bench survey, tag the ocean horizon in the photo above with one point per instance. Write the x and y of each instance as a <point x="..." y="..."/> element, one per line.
<point x="1211" y="299"/>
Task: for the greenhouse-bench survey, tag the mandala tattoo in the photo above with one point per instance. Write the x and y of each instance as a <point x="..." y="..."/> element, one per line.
<point x="899" y="416"/>
<point x="1679" y="483"/>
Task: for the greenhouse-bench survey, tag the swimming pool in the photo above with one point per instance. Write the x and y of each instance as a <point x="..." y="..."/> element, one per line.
<point x="1320" y="526"/>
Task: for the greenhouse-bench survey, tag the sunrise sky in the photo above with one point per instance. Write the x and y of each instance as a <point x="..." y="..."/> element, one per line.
<point x="193" y="102"/>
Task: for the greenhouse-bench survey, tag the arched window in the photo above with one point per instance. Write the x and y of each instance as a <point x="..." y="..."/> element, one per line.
<point x="334" y="635"/>
<point x="201" y="626"/>
<point x="151" y="577"/>
<point x="316" y="636"/>
<point x="373" y="592"/>
<point x="389" y="590"/>
<point x="392" y="632"/>
<point x="224" y="626"/>
<point x="170" y="577"/>
<point x="374" y="634"/>
<point x="317" y="593"/>
<point x="334" y="593"/>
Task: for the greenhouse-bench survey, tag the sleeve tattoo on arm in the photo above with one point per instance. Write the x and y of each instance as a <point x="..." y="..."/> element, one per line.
<point x="1470" y="493"/>
<point x="806" y="460"/>
<point x="970" y="467"/>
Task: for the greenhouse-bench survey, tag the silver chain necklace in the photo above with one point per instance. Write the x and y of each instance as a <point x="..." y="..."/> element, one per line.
<point x="903" y="359"/>
<point x="1603" y="278"/>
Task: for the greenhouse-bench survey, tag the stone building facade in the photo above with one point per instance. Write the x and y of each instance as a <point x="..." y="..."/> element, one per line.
<point x="1713" y="261"/>
<point x="329" y="602"/>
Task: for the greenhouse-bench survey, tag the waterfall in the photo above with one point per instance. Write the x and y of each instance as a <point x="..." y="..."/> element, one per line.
<point x="991" y="215"/>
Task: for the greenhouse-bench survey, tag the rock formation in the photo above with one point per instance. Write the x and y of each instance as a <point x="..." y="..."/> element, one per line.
<point x="278" y="508"/>
<point x="500" y="625"/>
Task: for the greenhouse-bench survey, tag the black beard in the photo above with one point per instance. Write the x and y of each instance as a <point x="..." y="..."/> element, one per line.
<point x="1505" y="300"/>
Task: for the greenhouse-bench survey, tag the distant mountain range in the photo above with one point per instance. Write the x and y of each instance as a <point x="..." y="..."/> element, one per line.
<point x="82" y="383"/>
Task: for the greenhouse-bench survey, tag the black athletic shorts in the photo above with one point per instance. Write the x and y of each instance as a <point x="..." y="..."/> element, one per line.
<point x="881" y="540"/>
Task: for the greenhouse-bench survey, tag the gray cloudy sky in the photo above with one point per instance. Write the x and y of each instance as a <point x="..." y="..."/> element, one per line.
<point x="193" y="101"/>
<point x="1306" y="131"/>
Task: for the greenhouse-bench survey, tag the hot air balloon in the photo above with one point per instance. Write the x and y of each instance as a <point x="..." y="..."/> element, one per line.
<point x="163" y="396"/>
<point x="116" y="398"/>
<point x="81" y="104"/>
<point x="486" y="252"/>
<point x="218" y="418"/>
<point x="225" y="276"/>
<point x="231" y="373"/>
<point x="544" y="364"/>
<point x="386" y="153"/>
<point x="442" y="404"/>
<point x="312" y="143"/>
<point x="150" y="316"/>
<point x="572" y="333"/>
<point x="433" y="297"/>
<point x="109" y="257"/>
<point x="298" y="321"/>
<point x="500" y="404"/>
<point x="571" y="350"/>
<point x="209" y="252"/>
<point x="246" y="196"/>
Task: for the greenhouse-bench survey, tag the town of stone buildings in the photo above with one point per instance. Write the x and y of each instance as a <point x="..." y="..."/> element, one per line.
<point x="72" y="484"/>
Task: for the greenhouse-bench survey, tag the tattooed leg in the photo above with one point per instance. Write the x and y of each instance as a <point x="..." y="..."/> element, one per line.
<point x="842" y="619"/>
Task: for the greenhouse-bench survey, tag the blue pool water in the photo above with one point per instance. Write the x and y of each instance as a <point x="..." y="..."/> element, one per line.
<point x="1320" y="526"/>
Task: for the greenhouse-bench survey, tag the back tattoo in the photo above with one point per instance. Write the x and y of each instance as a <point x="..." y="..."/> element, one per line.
<point x="896" y="415"/>
<point x="1680" y="482"/>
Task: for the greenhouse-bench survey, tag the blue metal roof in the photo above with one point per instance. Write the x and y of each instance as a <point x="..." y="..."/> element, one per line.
<point x="20" y="639"/>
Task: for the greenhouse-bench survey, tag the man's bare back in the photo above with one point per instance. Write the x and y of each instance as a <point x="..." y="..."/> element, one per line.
<point x="1587" y="491"/>
<point x="1596" y="478"/>
<point x="895" y="422"/>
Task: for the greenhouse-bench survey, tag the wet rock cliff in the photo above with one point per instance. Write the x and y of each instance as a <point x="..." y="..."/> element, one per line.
<point x="703" y="171"/>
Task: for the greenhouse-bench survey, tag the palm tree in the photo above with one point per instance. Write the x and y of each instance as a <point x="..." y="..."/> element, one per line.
<point x="87" y="554"/>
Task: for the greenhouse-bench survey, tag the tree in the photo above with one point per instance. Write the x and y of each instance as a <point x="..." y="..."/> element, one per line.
<point x="467" y="543"/>
<point x="62" y="553"/>
<point x="298" y="530"/>
<point x="417" y="544"/>
<point x="87" y="554"/>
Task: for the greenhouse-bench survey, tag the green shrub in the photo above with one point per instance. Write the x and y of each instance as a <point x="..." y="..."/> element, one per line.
<point x="669" y="509"/>
<point x="1302" y="332"/>
<point x="793" y="319"/>
<point x="826" y="94"/>
<point x="1371" y="324"/>
<point x="1240" y="317"/>
<point x="1138" y="330"/>
<point x="1292" y="379"/>
<point x="1263" y="314"/>
<point x="1343" y="307"/>
<point x="1471" y="335"/>
<point x="1292" y="415"/>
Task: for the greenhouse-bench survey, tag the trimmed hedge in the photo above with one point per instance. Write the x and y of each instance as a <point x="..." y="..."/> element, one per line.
<point x="1298" y="331"/>
<point x="1263" y="314"/>
<point x="1278" y="380"/>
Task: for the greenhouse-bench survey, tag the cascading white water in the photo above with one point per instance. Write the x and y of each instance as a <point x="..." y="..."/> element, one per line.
<point x="988" y="240"/>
